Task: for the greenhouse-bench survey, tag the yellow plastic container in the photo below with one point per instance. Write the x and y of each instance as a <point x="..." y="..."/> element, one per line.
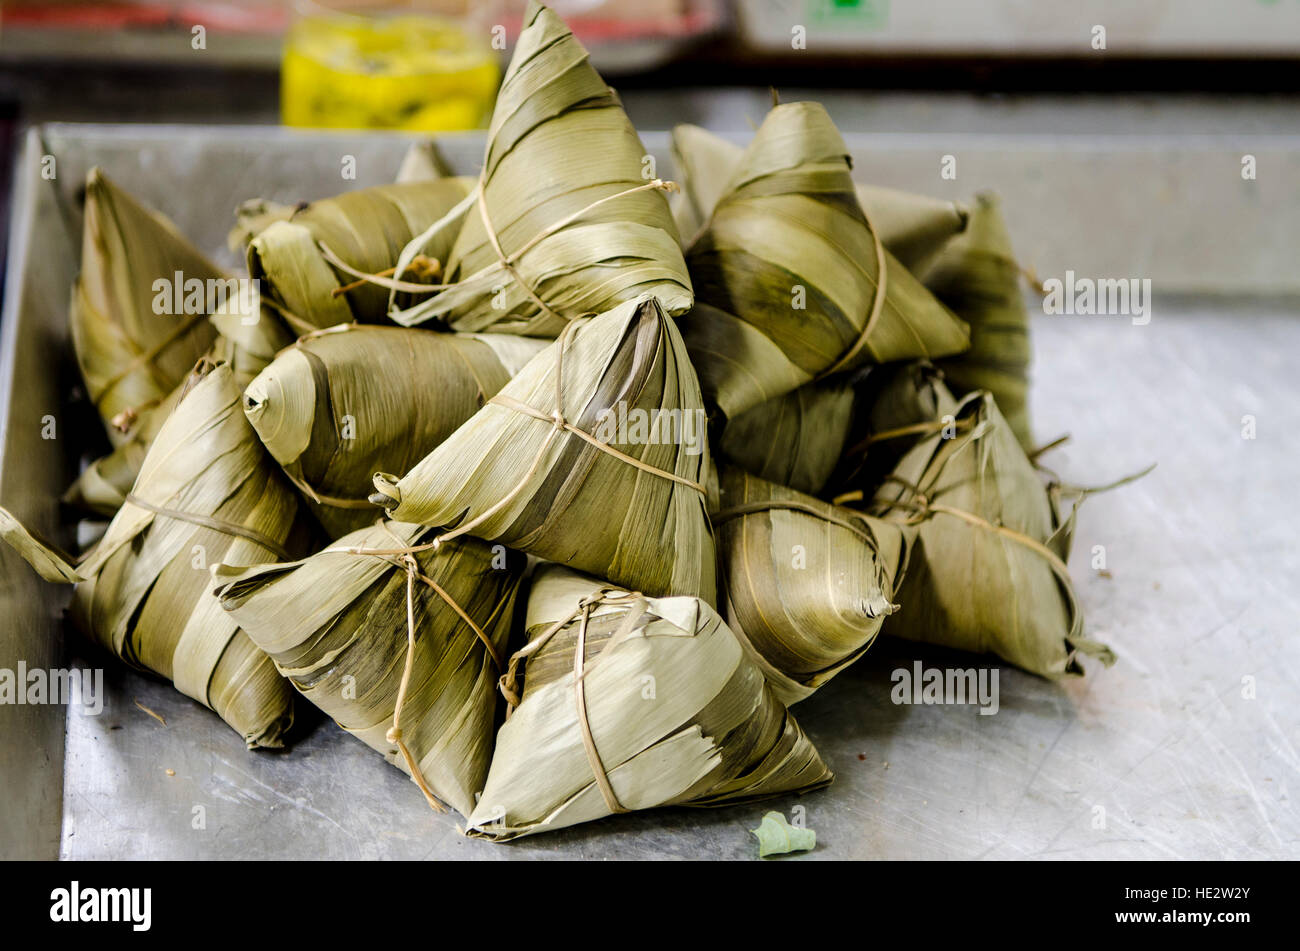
<point x="396" y="70"/>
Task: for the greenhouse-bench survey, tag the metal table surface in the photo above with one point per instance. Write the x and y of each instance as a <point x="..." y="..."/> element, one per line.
<point x="1165" y="755"/>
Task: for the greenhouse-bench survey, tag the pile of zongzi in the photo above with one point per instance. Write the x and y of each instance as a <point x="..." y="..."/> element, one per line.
<point x="559" y="485"/>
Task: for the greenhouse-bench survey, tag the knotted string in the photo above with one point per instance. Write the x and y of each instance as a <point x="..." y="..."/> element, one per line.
<point x="394" y="734"/>
<point x="916" y="429"/>
<point x="923" y="508"/>
<point x="384" y="278"/>
<point x="420" y="265"/>
<point x="584" y="724"/>
<point x="563" y="425"/>
<point x="510" y="679"/>
<point x="403" y="557"/>
<point x="125" y="420"/>
<point x="506" y="262"/>
<point x="559" y="426"/>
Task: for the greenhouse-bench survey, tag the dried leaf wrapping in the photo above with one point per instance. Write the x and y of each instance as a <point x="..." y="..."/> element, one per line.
<point x="789" y="254"/>
<point x="978" y="277"/>
<point x="134" y="345"/>
<point x="794" y="440"/>
<point x="338" y="406"/>
<point x="252" y="217"/>
<point x="896" y="407"/>
<point x="336" y="626"/>
<point x="207" y="492"/>
<point x="806" y="585"/>
<point x="704" y="164"/>
<point x="104" y="483"/>
<point x="422" y="163"/>
<point x="674" y="710"/>
<point x="365" y="230"/>
<point x="510" y="474"/>
<point x="913" y="227"/>
<point x="559" y="143"/>
<point x="989" y="575"/>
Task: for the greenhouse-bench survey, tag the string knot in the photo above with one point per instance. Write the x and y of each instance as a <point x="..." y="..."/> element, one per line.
<point x="508" y="688"/>
<point x="394" y="735"/>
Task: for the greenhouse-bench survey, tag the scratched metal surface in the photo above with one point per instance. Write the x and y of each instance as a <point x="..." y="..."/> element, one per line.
<point x="1160" y="756"/>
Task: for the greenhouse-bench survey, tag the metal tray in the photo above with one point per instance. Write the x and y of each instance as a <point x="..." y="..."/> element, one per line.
<point x="1161" y="756"/>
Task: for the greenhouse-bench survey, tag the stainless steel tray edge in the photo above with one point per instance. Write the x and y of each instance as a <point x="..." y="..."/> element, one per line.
<point x="33" y="342"/>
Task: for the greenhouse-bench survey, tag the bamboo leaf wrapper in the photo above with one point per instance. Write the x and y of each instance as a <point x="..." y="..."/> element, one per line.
<point x="667" y="710"/>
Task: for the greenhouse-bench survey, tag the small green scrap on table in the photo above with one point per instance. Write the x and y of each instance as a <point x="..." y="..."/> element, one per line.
<point x="777" y="837"/>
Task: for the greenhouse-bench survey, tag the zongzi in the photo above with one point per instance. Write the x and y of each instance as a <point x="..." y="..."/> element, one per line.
<point x="913" y="227"/>
<point x="140" y="305"/>
<point x="978" y="277"/>
<point x="336" y="624"/>
<point x="569" y="216"/>
<point x="806" y="585"/>
<point x="629" y="703"/>
<point x="330" y="261"/>
<point x="990" y="574"/>
<point x="207" y="492"/>
<point x="103" y="485"/>
<point x="593" y="456"/>
<point x="789" y="252"/>
<point x="342" y="404"/>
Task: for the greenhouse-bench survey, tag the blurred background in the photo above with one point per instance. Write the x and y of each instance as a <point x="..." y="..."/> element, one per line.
<point x="144" y="59"/>
<point x="1212" y="79"/>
